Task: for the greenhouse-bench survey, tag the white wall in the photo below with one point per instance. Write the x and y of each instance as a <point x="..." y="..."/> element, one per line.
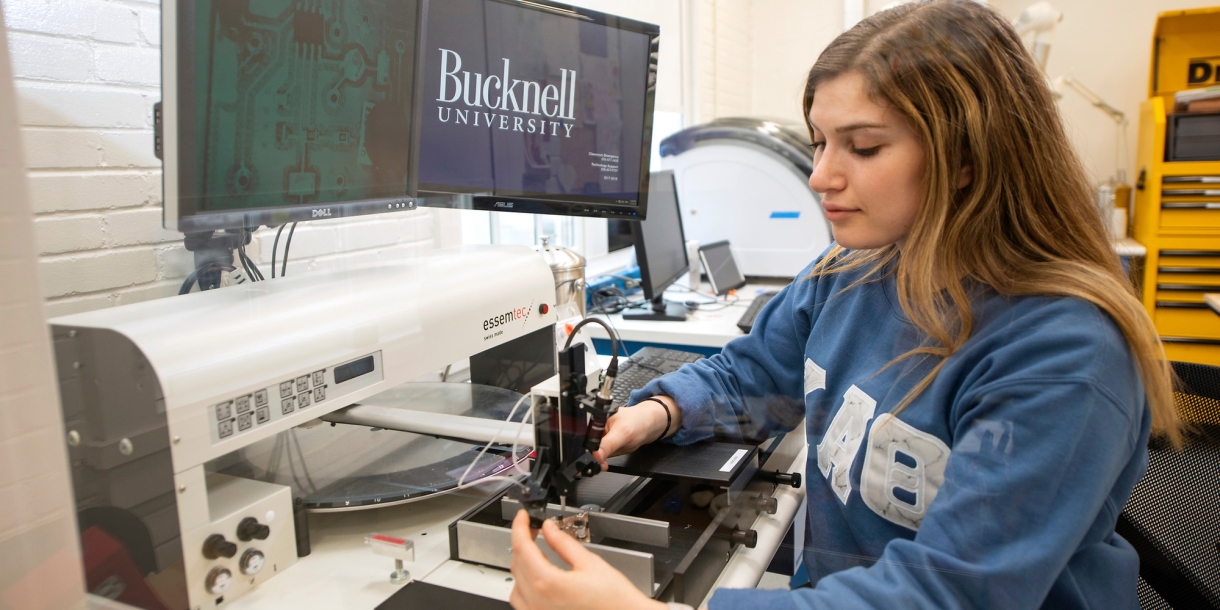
<point x="750" y="57"/>
<point x="39" y="556"/>
<point x="87" y="73"/>
<point x="788" y="36"/>
<point x="1107" y="46"/>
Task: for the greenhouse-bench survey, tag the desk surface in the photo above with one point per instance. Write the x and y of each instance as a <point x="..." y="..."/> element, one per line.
<point x="711" y="327"/>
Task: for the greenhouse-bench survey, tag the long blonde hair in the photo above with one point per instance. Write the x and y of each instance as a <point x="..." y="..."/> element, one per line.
<point x="1026" y="223"/>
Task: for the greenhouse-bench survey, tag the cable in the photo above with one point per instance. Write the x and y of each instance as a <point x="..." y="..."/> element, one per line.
<point x="726" y="304"/>
<point x="287" y="245"/>
<point x="517" y="463"/>
<point x="258" y="274"/>
<point x="275" y="247"/>
<point x="495" y="436"/>
<point x="609" y="331"/>
<point x="194" y="276"/>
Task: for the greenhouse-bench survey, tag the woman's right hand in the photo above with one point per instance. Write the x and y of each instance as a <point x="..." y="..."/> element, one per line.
<point x="632" y="427"/>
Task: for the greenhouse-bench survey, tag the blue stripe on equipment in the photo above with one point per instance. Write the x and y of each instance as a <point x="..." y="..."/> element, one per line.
<point x="785" y="214"/>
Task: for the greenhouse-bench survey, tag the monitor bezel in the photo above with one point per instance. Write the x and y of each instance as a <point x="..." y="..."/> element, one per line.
<point x="176" y="218"/>
<point x="641" y="250"/>
<point x="174" y="23"/>
<point x="442" y="196"/>
<point x="720" y="290"/>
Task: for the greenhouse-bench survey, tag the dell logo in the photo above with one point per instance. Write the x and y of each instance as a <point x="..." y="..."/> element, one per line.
<point x="321" y="213"/>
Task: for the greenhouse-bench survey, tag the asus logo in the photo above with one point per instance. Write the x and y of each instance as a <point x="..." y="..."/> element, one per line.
<point x="503" y="204"/>
<point x="321" y="213"/>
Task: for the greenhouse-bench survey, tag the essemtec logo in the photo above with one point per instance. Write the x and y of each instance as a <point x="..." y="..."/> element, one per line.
<point x="494" y="322"/>
<point x="485" y="101"/>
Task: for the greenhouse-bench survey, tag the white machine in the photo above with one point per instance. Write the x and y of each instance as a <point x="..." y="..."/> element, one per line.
<point x="747" y="180"/>
<point x="155" y="392"/>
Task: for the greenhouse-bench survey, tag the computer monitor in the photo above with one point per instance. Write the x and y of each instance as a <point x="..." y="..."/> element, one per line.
<point x="532" y="107"/>
<point x="276" y="112"/>
<point x="660" y="249"/>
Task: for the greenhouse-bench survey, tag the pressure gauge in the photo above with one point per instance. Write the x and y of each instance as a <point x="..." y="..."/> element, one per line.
<point x="251" y="562"/>
<point x="218" y="581"/>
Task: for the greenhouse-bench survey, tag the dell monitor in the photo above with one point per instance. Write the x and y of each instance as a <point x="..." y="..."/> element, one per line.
<point x="660" y="249"/>
<point x="277" y="112"/>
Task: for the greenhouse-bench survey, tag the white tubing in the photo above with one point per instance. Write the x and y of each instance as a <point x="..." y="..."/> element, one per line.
<point x="747" y="566"/>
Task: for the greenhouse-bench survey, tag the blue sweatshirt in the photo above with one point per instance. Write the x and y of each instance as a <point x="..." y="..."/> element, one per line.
<point x="998" y="487"/>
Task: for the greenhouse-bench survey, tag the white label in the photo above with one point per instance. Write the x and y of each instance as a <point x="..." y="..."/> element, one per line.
<point x="737" y="455"/>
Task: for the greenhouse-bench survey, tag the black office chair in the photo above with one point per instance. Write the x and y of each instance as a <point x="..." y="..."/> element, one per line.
<point x="1173" y="516"/>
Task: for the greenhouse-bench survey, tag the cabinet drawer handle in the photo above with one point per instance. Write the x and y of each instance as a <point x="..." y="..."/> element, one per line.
<point x="1190" y="205"/>
<point x="1197" y="253"/>
<point x="1198" y="270"/>
<point x="1190" y="340"/>
<point x="1177" y="305"/>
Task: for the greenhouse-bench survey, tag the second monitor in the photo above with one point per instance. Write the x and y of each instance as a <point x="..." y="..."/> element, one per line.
<point x="660" y="249"/>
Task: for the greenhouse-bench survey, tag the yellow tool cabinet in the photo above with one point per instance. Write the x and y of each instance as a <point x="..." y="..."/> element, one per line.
<point x="1176" y="214"/>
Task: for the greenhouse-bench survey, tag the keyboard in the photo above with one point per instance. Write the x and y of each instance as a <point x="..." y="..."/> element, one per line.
<point x="646" y="364"/>
<point x="747" y="319"/>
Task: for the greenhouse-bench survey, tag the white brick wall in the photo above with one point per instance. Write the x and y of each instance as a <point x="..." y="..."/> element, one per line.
<point x="87" y="73"/>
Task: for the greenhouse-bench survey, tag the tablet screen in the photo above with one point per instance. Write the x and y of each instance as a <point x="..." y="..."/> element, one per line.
<point x="721" y="269"/>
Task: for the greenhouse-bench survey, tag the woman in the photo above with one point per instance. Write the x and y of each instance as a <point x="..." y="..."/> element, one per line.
<point x="977" y="379"/>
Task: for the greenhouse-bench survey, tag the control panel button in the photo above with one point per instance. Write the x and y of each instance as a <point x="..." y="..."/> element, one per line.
<point x="288" y="406"/>
<point x="224" y="410"/>
<point x="218" y="581"/>
<point x="319" y="377"/>
<point x="319" y="393"/>
<point x="225" y="428"/>
<point x="303" y="383"/>
<point x="245" y="421"/>
<point x="262" y="415"/>
<point x="251" y="562"/>
<point x="286" y="389"/>
<point x="303" y="400"/>
<point x="242" y="403"/>
<point x="260" y="398"/>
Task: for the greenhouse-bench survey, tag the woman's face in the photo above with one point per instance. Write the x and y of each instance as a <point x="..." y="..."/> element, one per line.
<point x="867" y="166"/>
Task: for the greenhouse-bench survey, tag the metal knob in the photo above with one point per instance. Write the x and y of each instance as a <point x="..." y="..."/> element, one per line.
<point x="216" y="547"/>
<point x="784" y="478"/>
<point x="746" y="537"/>
<point x="250" y="529"/>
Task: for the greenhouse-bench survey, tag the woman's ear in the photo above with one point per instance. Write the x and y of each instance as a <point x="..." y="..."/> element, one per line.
<point x="965" y="176"/>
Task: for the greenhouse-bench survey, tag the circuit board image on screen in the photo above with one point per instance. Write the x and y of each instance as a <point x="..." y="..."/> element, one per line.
<point x="292" y="103"/>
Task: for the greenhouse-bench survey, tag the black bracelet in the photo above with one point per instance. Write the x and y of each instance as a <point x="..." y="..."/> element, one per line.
<point x="668" y="418"/>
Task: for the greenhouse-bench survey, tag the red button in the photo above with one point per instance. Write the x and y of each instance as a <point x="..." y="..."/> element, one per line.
<point x="543" y="308"/>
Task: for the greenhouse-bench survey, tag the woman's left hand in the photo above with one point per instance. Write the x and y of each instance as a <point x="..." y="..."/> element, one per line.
<point x="591" y="584"/>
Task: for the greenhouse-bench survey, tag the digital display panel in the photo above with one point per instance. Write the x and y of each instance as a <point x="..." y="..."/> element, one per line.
<point x="278" y="111"/>
<point x="354" y="369"/>
<point x="546" y="111"/>
<point x="288" y="107"/>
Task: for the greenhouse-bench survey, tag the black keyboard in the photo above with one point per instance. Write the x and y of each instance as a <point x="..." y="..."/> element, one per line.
<point x="643" y="366"/>
<point x="747" y="319"/>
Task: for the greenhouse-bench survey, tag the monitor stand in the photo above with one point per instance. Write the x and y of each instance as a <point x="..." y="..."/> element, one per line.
<point x="661" y="311"/>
